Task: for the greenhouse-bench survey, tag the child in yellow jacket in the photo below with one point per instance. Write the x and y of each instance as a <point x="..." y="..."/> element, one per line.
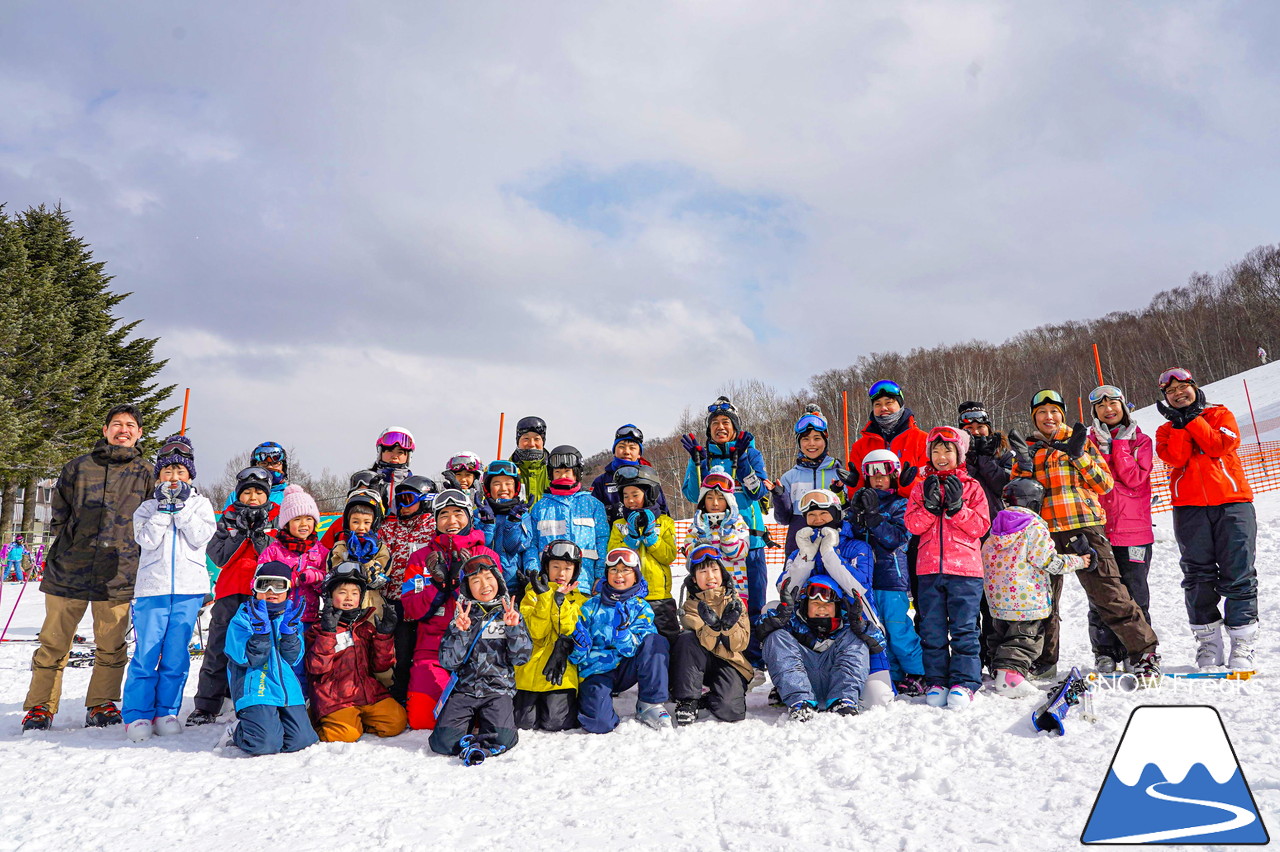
<point x="650" y="532"/>
<point x="547" y="685"/>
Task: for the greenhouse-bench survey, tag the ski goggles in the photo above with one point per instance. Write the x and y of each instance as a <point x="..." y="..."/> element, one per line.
<point x="721" y="408"/>
<point x="811" y="421"/>
<point x="391" y="439"/>
<point x="719" y="481"/>
<point x="879" y="468"/>
<point x="452" y="497"/>
<point x="626" y="474"/>
<point x="1102" y="392"/>
<point x="346" y="570"/>
<point x="884" y="387"/>
<point x="176" y="448"/>
<point x="409" y="499"/>
<point x="564" y="460"/>
<point x="271" y="585"/>
<point x="253" y="476"/>
<point x="466" y="463"/>
<point x="1175" y="374"/>
<point x="703" y="553"/>
<point x="272" y="456"/>
<point x="974" y="415"/>
<point x="821" y="592"/>
<point x="815" y="500"/>
<point x="502" y="467"/>
<point x="943" y="433"/>
<point x="622" y="558"/>
<point x="629" y="433"/>
<point x="1047" y="396"/>
<point x="564" y="549"/>
<point x="476" y="564"/>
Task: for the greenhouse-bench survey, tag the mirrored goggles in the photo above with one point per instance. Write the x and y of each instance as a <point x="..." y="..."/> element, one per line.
<point x="882" y="387"/>
<point x="409" y="499"/>
<point x="464" y="464"/>
<point x="270" y="585"/>
<point x="1102" y="392"/>
<point x="391" y="439"/>
<point x="271" y="456"/>
<point x="564" y="460"/>
<point x="1044" y="396"/>
<point x="718" y="480"/>
<point x="718" y="407"/>
<point x="811" y="421"/>
<point x="880" y="468"/>
<point x="1175" y="374"/>
<point x="976" y="415"/>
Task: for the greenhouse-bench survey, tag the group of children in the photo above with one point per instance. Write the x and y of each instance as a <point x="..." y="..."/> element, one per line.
<point x="514" y="598"/>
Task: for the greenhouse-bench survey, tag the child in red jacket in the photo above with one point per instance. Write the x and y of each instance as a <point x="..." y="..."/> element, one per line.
<point x="344" y="648"/>
<point x="948" y="510"/>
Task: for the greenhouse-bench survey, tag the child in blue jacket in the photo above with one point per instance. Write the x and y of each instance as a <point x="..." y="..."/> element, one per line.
<point x="814" y="469"/>
<point x="616" y="646"/>
<point x="506" y="522"/>
<point x="567" y="511"/>
<point x="264" y="644"/>
<point x="876" y="517"/>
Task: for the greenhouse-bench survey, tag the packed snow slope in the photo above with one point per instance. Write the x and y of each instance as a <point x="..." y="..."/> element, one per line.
<point x="1264" y="389"/>
<point x="904" y="777"/>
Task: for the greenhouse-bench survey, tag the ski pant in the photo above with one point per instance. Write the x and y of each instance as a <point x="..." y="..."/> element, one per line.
<point x="948" y="625"/>
<point x="58" y="633"/>
<point x="406" y="637"/>
<point x="158" y="671"/>
<point x="903" y="646"/>
<point x="757" y="595"/>
<point x="693" y="666"/>
<point x="1218" y="544"/>
<point x="1133" y="563"/>
<point x="214" y="687"/>
<point x="267" y="729"/>
<point x="492" y="715"/>
<point x="386" y="718"/>
<point x="1105" y="590"/>
<point x="431" y="679"/>
<point x="14" y="567"/>
<point x="1015" y="645"/>
<point x="821" y="677"/>
<point x="666" y="618"/>
<point x="553" y="710"/>
<point x="648" y="669"/>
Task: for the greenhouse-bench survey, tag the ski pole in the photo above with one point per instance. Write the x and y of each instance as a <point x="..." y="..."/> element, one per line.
<point x="12" y="612"/>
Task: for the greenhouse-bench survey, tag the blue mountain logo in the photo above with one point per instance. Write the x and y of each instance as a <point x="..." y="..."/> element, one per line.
<point x="1175" y="779"/>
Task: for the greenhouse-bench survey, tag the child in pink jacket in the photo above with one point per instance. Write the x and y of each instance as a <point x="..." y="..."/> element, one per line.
<point x="298" y="546"/>
<point x="1130" y="455"/>
<point x="948" y="510"/>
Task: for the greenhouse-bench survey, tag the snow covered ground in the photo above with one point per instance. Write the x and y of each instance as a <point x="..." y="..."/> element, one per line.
<point x="905" y="777"/>
<point x="1264" y="389"/>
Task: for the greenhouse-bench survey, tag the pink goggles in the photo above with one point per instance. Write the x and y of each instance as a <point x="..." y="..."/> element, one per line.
<point x="391" y="439"/>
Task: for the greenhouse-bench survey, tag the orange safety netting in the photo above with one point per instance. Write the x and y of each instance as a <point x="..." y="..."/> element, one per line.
<point x="1261" y="463"/>
<point x="772" y="555"/>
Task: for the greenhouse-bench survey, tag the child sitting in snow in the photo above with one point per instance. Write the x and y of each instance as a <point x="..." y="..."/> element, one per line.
<point x="818" y="648"/>
<point x="1017" y="560"/>
<point x="716" y="521"/>
<point x="264" y="644"/>
<point x="948" y="510"/>
<point x="547" y="685"/>
<point x="645" y="529"/>
<point x="710" y="651"/>
<point x="616" y="646"/>
<point x="484" y="643"/>
<point x="345" y="647"/>
<point x="876" y="515"/>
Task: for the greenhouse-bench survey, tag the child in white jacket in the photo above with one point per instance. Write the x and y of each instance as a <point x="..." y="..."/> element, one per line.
<point x="172" y="529"/>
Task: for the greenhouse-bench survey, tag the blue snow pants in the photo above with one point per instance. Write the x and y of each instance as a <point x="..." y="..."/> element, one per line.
<point x="822" y="677"/>
<point x="648" y="668"/>
<point x="158" y="671"/>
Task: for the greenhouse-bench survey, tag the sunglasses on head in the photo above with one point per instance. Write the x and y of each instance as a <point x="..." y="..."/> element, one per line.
<point x="271" y="585"/>
<point x="1175" y="374"/>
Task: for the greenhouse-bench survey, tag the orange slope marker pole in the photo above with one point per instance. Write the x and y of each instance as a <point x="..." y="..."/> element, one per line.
<point x="1097" y="363"/>
<point x="502" y="424"/>
<point x="186" y="402"/>
<point x="1080" y="405"/>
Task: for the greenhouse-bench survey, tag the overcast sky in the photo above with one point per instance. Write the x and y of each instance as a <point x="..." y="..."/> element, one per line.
<point x="343" y="216"/>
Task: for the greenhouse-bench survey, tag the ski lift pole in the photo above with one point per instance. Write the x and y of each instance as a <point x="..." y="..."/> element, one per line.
<point x="502" y="425"/>
<point x="186" y="401"/>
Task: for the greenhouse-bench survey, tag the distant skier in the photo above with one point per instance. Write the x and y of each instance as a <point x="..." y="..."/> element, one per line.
<point x="1262" y="355"/>
<point x="13" y="560"/>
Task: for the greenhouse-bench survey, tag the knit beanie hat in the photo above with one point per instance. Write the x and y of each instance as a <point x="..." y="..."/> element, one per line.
<point x="172" y="452"/>
<point x="296" y="504"/>
<point x="950" y="434"/>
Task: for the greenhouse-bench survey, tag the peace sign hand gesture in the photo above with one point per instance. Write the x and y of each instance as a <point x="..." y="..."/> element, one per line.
<point x="510" y="615"/>
<point x="462" y="617"/>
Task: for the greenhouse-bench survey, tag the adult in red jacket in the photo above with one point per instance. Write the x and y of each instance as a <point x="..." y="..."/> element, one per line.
<point x="1129" y="454"/>
<point x="891" y="426"/>
<point x="1213" y="520"/>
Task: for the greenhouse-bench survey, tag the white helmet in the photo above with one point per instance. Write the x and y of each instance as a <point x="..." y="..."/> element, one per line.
<point x="884" y="461"/>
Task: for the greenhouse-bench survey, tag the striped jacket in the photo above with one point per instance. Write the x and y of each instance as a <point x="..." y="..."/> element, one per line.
<point x="1072" y="486"/>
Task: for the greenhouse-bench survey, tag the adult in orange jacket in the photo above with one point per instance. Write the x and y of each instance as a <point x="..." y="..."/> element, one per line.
<point x="1213" y="520"/>
<point x="892" y="426"/>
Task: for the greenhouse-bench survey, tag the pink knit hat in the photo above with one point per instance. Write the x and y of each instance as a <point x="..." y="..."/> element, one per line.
<point x="296" y="504"/>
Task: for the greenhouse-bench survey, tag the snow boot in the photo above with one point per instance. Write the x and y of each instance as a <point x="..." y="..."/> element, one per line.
<point x="1104" y="663"/>
<point x="686" y="713"/>
<point x="102" y="716"/>
<point x="911" y="685"/>
<point x="138" y="730"/>
<point x="1010" y="684"/>
<point x="936" y="696"/>
<point x="167" y="726"/>
<point x="1146" y="669"/>
<point x="1045" y="672"/>
<point x="475" y="750"/>
<point x="653" y="715"/>
<point x="844" y="707"/>
<point x="228" y="737"/>
<point x="775" y="700"/>
<point x="803" y="711"/>
<point x="1209" y="651"/>
<point x="201" y="717"/>
<point x="38" y="718"/>
<point x="757" y="679"/>
<point x="1243" y="657"/>
<point x="959" y="698"/>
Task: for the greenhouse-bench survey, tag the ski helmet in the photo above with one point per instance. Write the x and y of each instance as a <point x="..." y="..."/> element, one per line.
<point x="270" y="452"/>
<point x="415" y="491"/>
<point x="465" y="462"/>
<point x="1024" y="491"/>
<point x="253" y="477"/>
<point x="455" y="498"/>
<point x="501" y="467"/>
<point x="566" y="456"/>
<point x="881" y="462"/>
<point x="642" y="477"/>
<point x="368" y="498"/>
<point x="476" y="564"/>
<point x="563" y="549"/>
<point x="395" y="436"/>
<point x="821" y="498"/>
<point x="346" y="572"/>
<point x="531" y="424"/>
<point x="723" y="407"/>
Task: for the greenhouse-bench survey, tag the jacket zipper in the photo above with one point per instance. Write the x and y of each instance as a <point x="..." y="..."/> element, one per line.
<point x="173" y="555"/>
<point x="1223" y="465"/>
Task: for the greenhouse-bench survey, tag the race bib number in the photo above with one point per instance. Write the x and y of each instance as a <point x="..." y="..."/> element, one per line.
<point x="751" y="482"/>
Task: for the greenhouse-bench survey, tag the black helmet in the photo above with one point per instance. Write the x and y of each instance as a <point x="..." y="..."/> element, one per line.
<point x="566" y="456"/>
<point x="253" y="477"/>
<point x="346" y="572"/>
<point x="367" y="479"/>
<point x="368" y="498"/>
<point x="641" y="476"/>
<point x="531" y="424"/>
<point x="562" y="548"/>
<point x="1025" y="492"/>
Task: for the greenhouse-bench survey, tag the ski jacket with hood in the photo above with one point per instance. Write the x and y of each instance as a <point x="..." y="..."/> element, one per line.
<point x="578" y="517"/>
<point x="808" y="475"/>
<point x="547" y="617"/>
<point x="949" y="544"/>
<point x="1128" y="504"/>
<point x="907" y="441"/>
<point x="657" y="550"/>
<point x="309" y="569"/>
<point x="1017" y="559"/>
<point x="746" y="466"/>
<point x="888" y="540"/>
<point x="1073" y="487"/>
<point x="732" y="648"/>
<point x="611" y="627"/>
<point x="1205" y="469"/>
<point x="261" y="669"/>
<point x="173" y="548"/>
<point x="341" y="664"/>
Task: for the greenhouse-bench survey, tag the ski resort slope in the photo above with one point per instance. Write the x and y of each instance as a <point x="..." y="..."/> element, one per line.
<point x="906" y="777"/>
<point x="1264" y="389"/>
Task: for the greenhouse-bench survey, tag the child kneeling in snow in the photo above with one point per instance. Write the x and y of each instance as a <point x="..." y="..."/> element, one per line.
<point x="1017" y="560"/>
<point x="616" y="646"/>
<point x="827" y="548"/>
<point x="345" y="649"/>
<point x="264" y="643"/>
<point x="710" y="651"/>
<point x="818" y="649"/>
<point x="547" y="685"/>
<point x="484" y="643"/>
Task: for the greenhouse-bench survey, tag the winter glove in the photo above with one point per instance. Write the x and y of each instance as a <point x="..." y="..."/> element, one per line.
<point x="558" y="659"/>
<point x="732" y="612"/>
<point x="1022" y="453"/>
<point x="329" y="619"/>
<point x="699" y="528"/>
<point x="1126" y="433"/>
<point x="386" y="625"/>
<point x="696" y="451"/>
<point x="172" y="496"/>
<point x="251" y="518"/>
<point x="1079" y="544"/>
<point x="538" y="582"/>
<point x="621" y="628"/>
<point x="741" y="444"/>
<point x="259" y="617"/>
<point x="1102" y="434"/>
<point x="953" y="495"/>
<point x="866" y="500"/>
<point x="932" y="495"/>
<point x="850" y="478"/>
<point x="582" y="636"/>
<point x="484" y="514"/>
<point x="1180" y="417"/>
<point x="517" y="511"/>
<point x="984" y="445"/>
<point x="908" y="475"/>
<point x="291" y="618"/>
<point x="434" y="566"/>
<point x="708" y="616"/>
<point x="636" y="524"/>
<point x="1074" y="445"/>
